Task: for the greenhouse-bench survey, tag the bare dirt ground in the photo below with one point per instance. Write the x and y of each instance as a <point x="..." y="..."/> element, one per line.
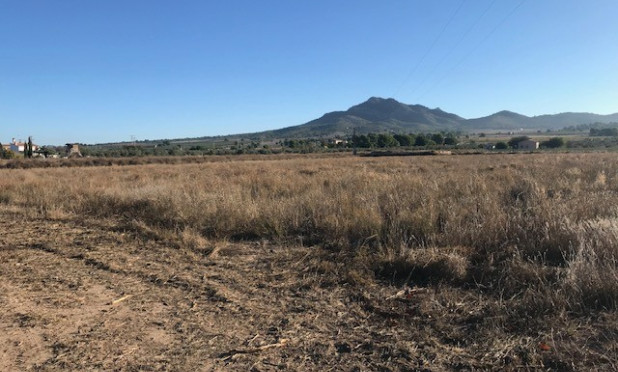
<point x="74" y="295"/>
<point x="91" y="295"/>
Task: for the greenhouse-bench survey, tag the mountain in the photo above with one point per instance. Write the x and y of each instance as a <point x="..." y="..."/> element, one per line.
<point x="374" y="115"/>
<point x="499" y="120"/>
<point x="386" y="114"/>
<point x="379" y="115"/>
<point x="511" y="120"/>
<point x="572" y="118"/>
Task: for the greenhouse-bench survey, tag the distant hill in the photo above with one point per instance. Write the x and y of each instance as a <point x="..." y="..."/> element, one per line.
<point x="374" y="115"/>
<point x="511" y="120"/>
<point x="499" y="120"/>
<point x="571" y="118"/>
<point x="386" y="114"/>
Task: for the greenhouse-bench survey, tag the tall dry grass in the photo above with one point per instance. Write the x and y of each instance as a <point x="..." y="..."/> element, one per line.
<point x="542" y="227"/>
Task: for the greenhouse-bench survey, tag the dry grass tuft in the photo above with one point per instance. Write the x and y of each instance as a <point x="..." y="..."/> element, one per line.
<point x="423" y="266"/>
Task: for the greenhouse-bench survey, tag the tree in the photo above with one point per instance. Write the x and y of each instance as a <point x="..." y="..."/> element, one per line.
<point x="373" y="139"/>
<point x="502" y="146"/>
<point x="404" y="139"/>
<point x="28" y="148"/>
<point x="420" y="140"/>
<point x="361" y="141"/>
<point x="438" y="138"/>
<point x="386" y="140"/>
<point x="553" y="143"/>
<point x="48" y="151"/>
<point x="6" y="154"/>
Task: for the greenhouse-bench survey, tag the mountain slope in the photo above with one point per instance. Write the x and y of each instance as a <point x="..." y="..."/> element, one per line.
<point x="512" y="120"/>
<point x="374" y="115"/>
<point x="572" y="118"/>
<point x="378" y="115"/>
<point x="499" y="120"/>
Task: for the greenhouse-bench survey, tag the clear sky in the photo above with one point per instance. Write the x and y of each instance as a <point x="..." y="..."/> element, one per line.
<point x="98" y="71"/>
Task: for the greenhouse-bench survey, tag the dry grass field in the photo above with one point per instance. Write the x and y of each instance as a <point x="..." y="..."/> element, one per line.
<point x="436" y="263"/>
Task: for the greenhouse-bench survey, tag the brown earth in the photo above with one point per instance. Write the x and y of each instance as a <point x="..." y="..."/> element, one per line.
<point x="95" y="295"/>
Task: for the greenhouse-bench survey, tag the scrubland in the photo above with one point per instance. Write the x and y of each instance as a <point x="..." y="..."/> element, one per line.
<point x="488" y="262"/>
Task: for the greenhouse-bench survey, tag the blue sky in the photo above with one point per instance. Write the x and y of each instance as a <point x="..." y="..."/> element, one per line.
<point x="98" y="71"/>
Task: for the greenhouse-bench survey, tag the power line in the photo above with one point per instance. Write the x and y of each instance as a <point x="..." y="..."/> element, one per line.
<point x="471" y="51"/>
<point x="459" y="41"/>
<point x="430" y="49"/>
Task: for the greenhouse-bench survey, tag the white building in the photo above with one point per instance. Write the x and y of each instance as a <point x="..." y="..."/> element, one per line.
<point x="18" y="146"/>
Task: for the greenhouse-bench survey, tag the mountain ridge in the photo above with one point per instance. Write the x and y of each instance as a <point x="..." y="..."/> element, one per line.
<point x="375" y="114"/>
<point x="379" y="115"/>
<point x="387" y="114"/>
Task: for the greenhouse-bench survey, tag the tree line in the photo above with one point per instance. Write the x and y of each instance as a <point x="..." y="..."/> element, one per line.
<point x="596" y="129"/>
<point x="603" y="132"/>
<point x="385" y="140"/>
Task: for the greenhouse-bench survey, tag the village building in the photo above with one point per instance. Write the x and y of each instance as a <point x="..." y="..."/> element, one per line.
<point x="528" y="145"/>
<point x="20" y="146"/>
<point x="17" y="146"/>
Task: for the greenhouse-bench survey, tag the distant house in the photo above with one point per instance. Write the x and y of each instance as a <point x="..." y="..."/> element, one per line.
<point x="19" y="146"/>
<point x="528" y="145"/>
